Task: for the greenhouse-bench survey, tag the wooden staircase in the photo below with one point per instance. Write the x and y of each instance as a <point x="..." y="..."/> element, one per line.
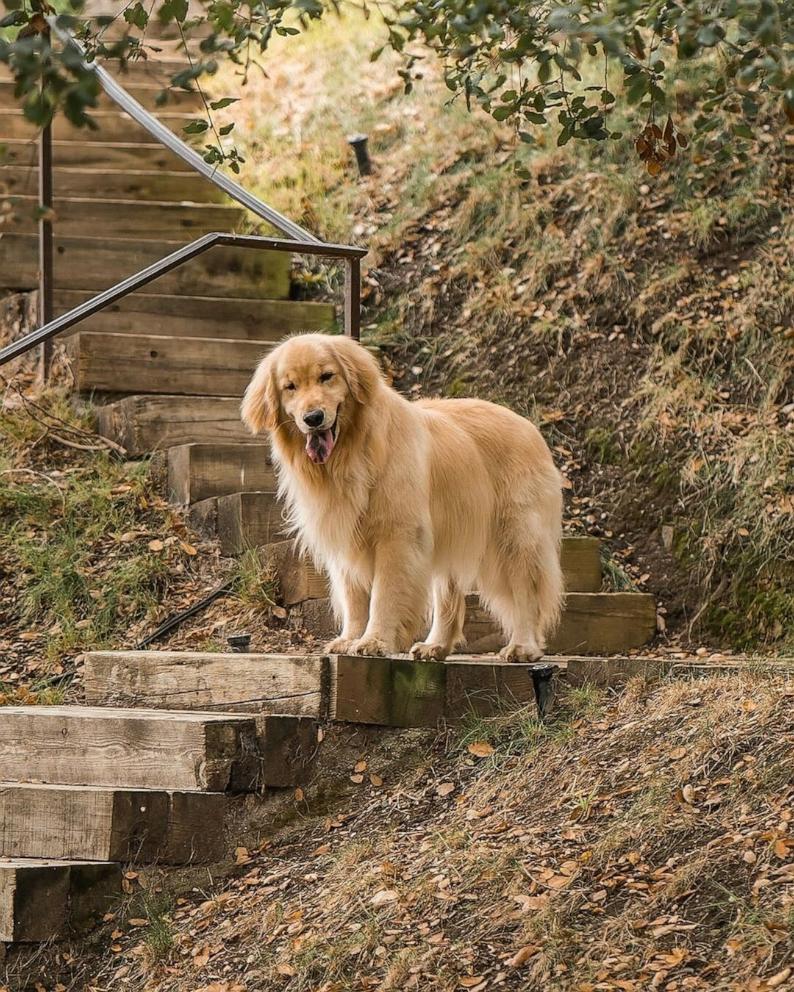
<point x="143" y="771"/>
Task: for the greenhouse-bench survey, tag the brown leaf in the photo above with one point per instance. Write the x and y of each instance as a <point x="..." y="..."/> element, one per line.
<point x="522" y="956"/>
<point x="188" y="548"/>
<point x="156" y="545"/>
<point x="201" y="957"/>
<point x="480" y="749"/>
<point x="286" y="970"/>
<point x="383" y="897"/>
<point x="241" y="855"/>
<point x="357" y="779"/>
<point x="361" y="766"/>
<point x="445" y="788"/>
<point x="138" y="921"/>
<point x="376" y="780"/>
<point x="471" y="982"/>
<point x="299" y="795"/>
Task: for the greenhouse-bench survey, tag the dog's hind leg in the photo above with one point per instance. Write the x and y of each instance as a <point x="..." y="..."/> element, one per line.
<point x="351" y="604"/>
<point x="524" y="590"/>
<point x="449" y="611"/>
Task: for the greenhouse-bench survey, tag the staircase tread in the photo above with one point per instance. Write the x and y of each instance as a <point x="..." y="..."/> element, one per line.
<point x="121" y="712"/>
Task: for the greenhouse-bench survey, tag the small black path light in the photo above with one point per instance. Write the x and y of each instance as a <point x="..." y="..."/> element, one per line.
<point x="543" y="683"/>
<point x="239" y="643"/>
<point x="358" y="142"/>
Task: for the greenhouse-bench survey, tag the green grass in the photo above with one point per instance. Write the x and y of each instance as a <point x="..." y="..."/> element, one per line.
<point x="75" y="539"/>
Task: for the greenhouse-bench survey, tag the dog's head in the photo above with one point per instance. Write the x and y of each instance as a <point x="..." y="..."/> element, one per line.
<point x="310" y="386"/>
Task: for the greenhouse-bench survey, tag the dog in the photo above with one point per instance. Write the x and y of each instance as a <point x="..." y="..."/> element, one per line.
<point x="406" y="502"/>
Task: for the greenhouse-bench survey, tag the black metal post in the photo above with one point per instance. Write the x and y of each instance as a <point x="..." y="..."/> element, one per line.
<point x="46" y="305"/>
<point x="353" y="298"/>
<point x="358" y="142"/>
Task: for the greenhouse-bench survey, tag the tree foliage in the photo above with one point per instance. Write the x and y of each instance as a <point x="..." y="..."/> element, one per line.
<point x="572" y="67"/>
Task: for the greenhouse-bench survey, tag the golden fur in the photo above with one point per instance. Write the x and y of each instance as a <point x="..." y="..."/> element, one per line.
<point x="416" y="502"/>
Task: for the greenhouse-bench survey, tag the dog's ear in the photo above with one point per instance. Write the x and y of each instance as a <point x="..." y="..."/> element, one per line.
<point x="359" y="368"/>
<point x="260" y="407"/>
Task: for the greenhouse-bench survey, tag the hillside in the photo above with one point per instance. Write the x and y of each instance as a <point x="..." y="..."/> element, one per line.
<point x="635" y="842"/>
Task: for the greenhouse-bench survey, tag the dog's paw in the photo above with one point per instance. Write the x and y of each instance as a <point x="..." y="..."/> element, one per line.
<point x="521" y="652"/>
<point x="426" y="651"/>
<point x="339" y="645"/>
<point x="371" y="646"/>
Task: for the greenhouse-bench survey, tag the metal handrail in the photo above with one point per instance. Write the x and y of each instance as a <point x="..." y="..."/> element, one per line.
<point x="301" y="241"/>
<point x="159" y="268"/>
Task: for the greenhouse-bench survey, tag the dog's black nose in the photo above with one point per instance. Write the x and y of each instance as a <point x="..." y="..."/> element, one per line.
<point x="313" y="418"/>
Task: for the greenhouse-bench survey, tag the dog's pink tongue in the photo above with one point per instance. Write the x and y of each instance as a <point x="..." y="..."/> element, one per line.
<point x="319" y="446"/>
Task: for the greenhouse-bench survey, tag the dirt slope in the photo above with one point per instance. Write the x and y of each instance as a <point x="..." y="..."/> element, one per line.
<point x="638" y="842"/>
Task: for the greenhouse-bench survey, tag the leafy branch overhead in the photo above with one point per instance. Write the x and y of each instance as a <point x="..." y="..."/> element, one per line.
<point x="573" y="68"/>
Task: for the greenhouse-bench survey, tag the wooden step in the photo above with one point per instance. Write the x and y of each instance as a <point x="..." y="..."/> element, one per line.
<point x="142" y="424"/>
<point x="112" y="125"/>
<point x="120" y="156"/>
<point x="46" y="899"/>
<point x="83" y="216"/>
<point x="240" y="520"/>
<point x="299" y="580"/>
<point x="195" y="680"/>
<point x="202" y="316"/>
<point x="146" y="93"/>
<point x="140" y="71"/>
<point x="238" y="272"/>
<point x="101" y="824"/>
<point x="200" y="471"/>
<point x="109" y="184"/>
<point x="137" y="363"/>
<point x="388" y="691"/>
<point x="147" y="749"/>
<point x="592" y="623"/>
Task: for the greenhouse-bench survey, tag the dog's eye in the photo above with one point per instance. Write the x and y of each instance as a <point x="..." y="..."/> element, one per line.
<point x="290" y="385"/>
<point x="326" y="376"/>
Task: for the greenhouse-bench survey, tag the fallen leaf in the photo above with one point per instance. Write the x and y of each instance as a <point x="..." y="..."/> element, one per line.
<point x="471" y="981"/>
<point x="138" y="921"/>
<point x="284" y="969"/>
<point x="361" y="766"/>
<point x="201" y="957"/>
<point x="522" y="956"/>
<point x="299" y="795"/>
<point x="376" y="780"/>
<point x="357" y="779"/>
<point x="480" y="749"/>
<point x="445" y="788"/>
<point x="383" y="897"/>
<point x="241" y="855"/>
<point x="156" y="545"/>
<point x="187" y="548"/>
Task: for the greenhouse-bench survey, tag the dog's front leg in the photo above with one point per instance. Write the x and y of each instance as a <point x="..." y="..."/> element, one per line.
<point x="351" y="602"/>
<point x="400" y="593"/>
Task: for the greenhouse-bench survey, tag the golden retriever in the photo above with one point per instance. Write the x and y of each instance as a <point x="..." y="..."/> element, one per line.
<point x="403" y="502"/>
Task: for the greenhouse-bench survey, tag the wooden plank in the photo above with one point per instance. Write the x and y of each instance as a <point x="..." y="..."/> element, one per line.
<point x="146" y="93"/>
<point x="109" y="184"/>
<point x="237" y="272"/>
<point x="580" y="558"/>
<point x="592" y="623"/>
<point x="46" y="899"/>
<point x="614" y="671"/>
<point x="145" y="70"/>
<point x="103" y="824"/>
<point x="195" y="680"/>
<point x="396" y="692"/>
<point x="135" y="749"/>
<point x="142" y="424"/>
<point x="202" y="316"/>
<point x="82" y="217"/>
<point x="123" y="156"/>
<point x="299" y="580"/>
<point x="248" y="520"/>
<point x="112" y="125"/>
<point x="199" y="471"/>
<point x="296" y="577"/>
<point x="137" y="363"/>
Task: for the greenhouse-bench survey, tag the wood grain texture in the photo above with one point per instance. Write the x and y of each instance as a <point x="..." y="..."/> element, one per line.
<point x="98" y="263"/>
<point x="145" y="93"/>
<point x="297" y="579"/>
<point x="143" y="424"/>
<point x="104" y="824"/>
<point x="134" y="749"/>
<point x="82" y="216"/>
<point x="202" y="316"/>
<point x="138" y="363"/>
<point x="45" y="899"/>
<point x="248" y="520"/>
<point x="199" y="471"/>
<point x="109" y="184"/>
<point x="122" y="156"/>
<point x="112" y="125"/>
<point x="592" y="623"/>
<point x="397" y="692"/>
<point x="187" y="680"/>
<point x="580" y="558"/>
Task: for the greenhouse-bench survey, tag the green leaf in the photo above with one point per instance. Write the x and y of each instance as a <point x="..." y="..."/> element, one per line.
<point x="227" y="101"/>
<point x="743" y="131"/>
<point x="196" y="127"/>
<point x="136" y="15"/>
<point x="502" y="113"/>
<point x="227" y="128"/>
